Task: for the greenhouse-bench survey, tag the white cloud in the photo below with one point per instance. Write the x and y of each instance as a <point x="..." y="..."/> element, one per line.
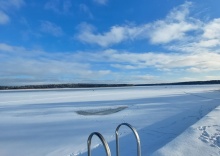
<point x="4" y="18"/>
<point x="51" y="28"/>
<point x="40" y="66"/>
<point x="208" y="43"/>
<point x="212" y="77"/>
<point x="163" y="32"/>
<point x="116" y="35"/>
<point x="195" y="70"/>
<point x="189" y="34"/>
<point x="173" y="28"/>
<point x="204" y="62"/>
<point x="208" y="39"/>
<point x="191" y="79"/>
<point x="135" y="60"/>
<point x="106" y="66"/>
<point x="146" y="77"/>
<point x="102" y="2"/>
<point x="5" y="47"/>
<point x="212" y="29"/>
<point x="201" y="78"/>
<point x="125" y="66"/>
<point x="211" y="34"/>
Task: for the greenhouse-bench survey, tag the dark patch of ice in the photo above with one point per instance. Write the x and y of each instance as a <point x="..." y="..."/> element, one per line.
<point x="103" y="111"/>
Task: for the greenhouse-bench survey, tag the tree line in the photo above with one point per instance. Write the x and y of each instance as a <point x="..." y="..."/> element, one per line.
<point x="88" y="85"/>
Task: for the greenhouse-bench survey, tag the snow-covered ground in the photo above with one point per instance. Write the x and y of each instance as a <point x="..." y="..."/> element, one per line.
<point x="171" y="120"/>
<point x="202" y="138"/>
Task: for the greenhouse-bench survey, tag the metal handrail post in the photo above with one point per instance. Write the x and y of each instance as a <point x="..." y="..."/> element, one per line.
<point x="136" y="135"/>
<point x="107" y="149"/>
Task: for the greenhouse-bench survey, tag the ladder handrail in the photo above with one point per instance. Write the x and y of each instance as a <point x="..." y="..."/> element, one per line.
<point x="107" y="149"/>
<point x="136" y="135"/>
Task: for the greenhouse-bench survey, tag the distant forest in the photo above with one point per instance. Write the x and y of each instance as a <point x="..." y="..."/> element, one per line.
<point x="87" y="85"/>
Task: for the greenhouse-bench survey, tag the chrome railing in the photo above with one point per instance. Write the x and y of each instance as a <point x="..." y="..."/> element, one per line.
<point x="89" y="141"/>
<point x="136" y="135"/>
<point x="107" y="149"/>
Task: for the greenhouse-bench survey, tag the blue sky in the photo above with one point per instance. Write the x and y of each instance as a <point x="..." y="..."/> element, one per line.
<point x="108" y="41"/>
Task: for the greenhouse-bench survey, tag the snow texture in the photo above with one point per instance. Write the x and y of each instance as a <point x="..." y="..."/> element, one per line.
<point x="202" y="138"/>
<point x="171" y="120"/>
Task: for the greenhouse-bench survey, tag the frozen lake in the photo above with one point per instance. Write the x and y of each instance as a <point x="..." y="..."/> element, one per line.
<point x="58" y="122"/>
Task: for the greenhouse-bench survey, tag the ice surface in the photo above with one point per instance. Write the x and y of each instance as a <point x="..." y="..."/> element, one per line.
<point x="46" y="123"/>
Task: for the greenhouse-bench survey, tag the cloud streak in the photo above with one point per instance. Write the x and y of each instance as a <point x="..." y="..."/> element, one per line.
<point x="34" y="65"/>
<point x="4" y="18"/>
<point x="6" y="7"/>
<point x="173" y="28"/>
<point x="108" y="66"/>
<point x="205" y="62"/>
<point x="101" y="2"/>
<point x="59" y="6"/>
<point x="51" y="28"/>
<point x="116" y="35"/>
<point x="84" y="8"/>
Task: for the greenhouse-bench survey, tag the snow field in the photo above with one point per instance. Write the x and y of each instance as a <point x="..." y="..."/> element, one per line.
<point x="45" y="122"/>
<point x="202" y="138"/>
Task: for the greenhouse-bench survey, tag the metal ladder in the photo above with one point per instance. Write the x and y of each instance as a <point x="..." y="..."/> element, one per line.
<point x="107" y="149"/>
